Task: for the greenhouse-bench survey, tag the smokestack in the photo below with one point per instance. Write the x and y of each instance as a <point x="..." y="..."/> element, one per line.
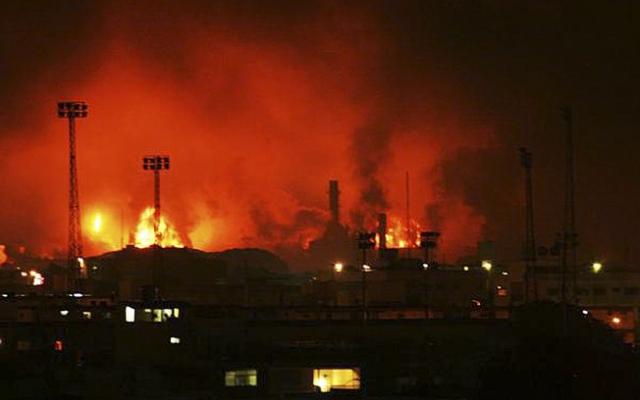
<point x="334" y="203"/>
<point x="382" y="231"/>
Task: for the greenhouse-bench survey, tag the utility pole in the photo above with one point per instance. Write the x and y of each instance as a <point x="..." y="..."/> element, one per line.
<point x="569" y="236"/>
<point x="156" y="164"/>
<point x="530" y="277"/>
<point x="72" y="110"/>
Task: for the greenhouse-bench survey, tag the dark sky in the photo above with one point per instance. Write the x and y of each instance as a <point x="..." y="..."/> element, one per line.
<point x="446" y="89"/>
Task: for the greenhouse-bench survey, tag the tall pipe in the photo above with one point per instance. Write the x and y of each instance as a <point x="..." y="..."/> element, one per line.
<point x="334" y="201"/>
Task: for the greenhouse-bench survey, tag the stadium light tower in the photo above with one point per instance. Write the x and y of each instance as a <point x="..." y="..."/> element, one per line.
<point x="156" y="164"/>
<point x="72" y="110"/>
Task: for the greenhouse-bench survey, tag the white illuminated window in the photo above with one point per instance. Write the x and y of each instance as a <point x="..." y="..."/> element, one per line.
<point x="344" y="378"/>
<point x="129" y="314"/>
<point x="64" y="313"/>
<point x="86" y="314"/>
<point x="174" y="340"/>
<point x="241" y="377"/>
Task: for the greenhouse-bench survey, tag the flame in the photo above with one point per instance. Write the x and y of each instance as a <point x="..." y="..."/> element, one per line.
<point x="398" y="236"/>
<point x="97" y="223"/>
<point x="3" y="255"/>
<point x="145" y="236"/>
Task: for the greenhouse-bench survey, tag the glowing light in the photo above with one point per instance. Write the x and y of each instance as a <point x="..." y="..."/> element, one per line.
<point x="596" y="267"/>
<point x="323" y="383"/>
<point x="505" y="273"/>
<point x="366" y="268"/>
<point x="616" y="320"/>
<point x="97" y="223"/>
<point x="338" y="267"/>
<point x="145" y="236"/>
<point x="174" y="340"/>
<point x="585" y="312"/>
<point x="466" y="268"/>
<point x="38" y="279"/>
<point x="64" y="313"/>
<point x="425" y="266"/>
<point x="486" y="265"/>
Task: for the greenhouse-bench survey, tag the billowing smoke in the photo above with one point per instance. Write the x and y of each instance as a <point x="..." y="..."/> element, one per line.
<point x="370" y="153"/>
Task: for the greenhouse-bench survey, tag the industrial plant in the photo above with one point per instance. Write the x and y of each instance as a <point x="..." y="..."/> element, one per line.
<point x="315" y="200"/>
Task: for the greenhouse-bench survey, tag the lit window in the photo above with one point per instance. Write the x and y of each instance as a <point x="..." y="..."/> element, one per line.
<point x="174" y="340"/>
<point x="57" y="345"/>
<point x="64" y="313"/>
<point x="345" y="379"/>
<point x="176" y="313"/>
<point x="157" y="315"/>
<point x="86" y="314"/>
<point x="129" y="314"/>
<point x="241" y="377"/>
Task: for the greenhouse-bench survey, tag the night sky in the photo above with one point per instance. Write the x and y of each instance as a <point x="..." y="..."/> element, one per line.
<point x="260" y="103"/>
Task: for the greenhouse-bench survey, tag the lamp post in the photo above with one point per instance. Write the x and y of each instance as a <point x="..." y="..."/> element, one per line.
<point x="487" y="265"/>
<point x="366" y="241"/>
<point x="156" y="164"/>
<point x="596" y="267"/>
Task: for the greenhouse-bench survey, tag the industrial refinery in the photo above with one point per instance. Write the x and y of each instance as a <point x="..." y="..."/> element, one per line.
<point x="318" y="200"/>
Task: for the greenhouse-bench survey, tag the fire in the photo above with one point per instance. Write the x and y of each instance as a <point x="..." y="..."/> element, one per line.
<point x="3" y="255"/>
<point x="145" y="235"/>
<point x="398" y="236"/>
<point x="97" y="223"/>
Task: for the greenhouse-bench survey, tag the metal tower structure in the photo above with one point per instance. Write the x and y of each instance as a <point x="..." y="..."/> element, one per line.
<point x="156" y="164"/>
<point x="569" y="235"/>
<point x="72" y="110"/>
<point x="530" y="278"/>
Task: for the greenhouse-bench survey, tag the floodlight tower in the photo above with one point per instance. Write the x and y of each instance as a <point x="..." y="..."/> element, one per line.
<point x="72" y="110"/>
<point x="156" y="164"/>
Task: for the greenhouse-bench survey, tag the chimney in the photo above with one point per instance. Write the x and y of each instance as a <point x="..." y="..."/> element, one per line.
<point x="334" y="203"/>
<point x="382" y="231"/>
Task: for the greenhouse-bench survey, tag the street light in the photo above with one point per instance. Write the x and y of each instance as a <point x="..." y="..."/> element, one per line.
<point x="487" y="266"/>
<point x="156" y="163"/>
<point x="596" y="267"/>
